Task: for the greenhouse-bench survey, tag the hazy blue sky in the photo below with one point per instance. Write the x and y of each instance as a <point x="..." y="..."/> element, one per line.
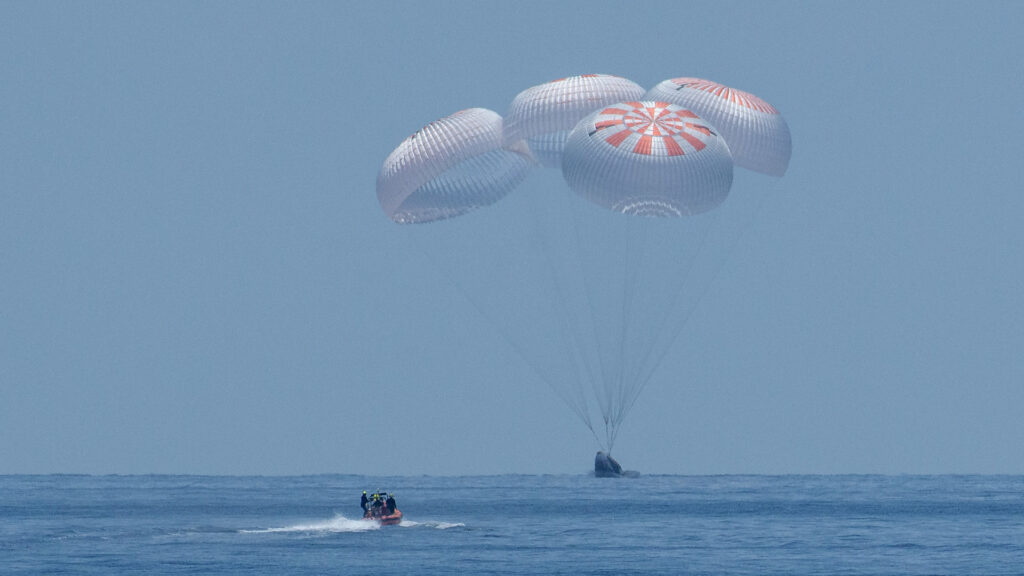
<point x="196" y="277"/>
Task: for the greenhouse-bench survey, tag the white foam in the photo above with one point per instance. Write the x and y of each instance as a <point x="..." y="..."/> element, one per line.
<point x="342" y="524"/>
<point x="337" y="524"/>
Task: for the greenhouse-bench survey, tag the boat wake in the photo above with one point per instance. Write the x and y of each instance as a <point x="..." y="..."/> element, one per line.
<point x="340" y="524"/>
<point x="337" y="524"/>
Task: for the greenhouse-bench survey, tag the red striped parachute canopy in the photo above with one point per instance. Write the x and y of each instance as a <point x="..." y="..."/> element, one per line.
<point x="756" y="133"/>
<point x="648" y="158"/>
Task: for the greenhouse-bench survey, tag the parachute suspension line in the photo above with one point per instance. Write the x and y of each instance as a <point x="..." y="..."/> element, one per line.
<point x="499" y="329"/>
<point x="656" y="348"/>
<point x="615" y="384"/>
<point x="600" y="444"/>
<point x="598" y="384"/>
<point x="636" y="236"/>
<point x="620" y="361"/>
<point x="638" y="253"/>
<point x="744" y="227"/>
<point x="570" y="337"/>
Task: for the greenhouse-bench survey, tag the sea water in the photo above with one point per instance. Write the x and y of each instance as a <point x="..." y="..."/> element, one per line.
<point x="573" y="524"/>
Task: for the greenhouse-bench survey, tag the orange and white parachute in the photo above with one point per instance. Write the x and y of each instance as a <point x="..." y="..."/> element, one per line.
<point x="757" y="135"/>
<point x="648" y="158"/>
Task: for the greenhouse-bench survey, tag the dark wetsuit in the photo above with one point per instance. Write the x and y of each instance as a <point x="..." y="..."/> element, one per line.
<point x="391" y="505"/>
<point x="362" y="502"/>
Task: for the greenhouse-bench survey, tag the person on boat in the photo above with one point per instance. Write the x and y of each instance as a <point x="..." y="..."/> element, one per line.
<point x="363" y="503"/>
<point x="376" y="506"/>
<point x="392" y="506"/>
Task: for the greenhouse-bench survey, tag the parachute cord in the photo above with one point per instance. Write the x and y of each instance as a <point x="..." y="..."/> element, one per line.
<point x="614" y="393"/>
<point x="627" y="289"/>
<point x="655" y="347"/>
<point x="588" y="278"/>
<point x="609" y="401"/>
<point x="629" y="383"/>
<point x="744" y="228"/>
<point x="598" y="440"/>
<point x="571" y="338"/>
<point x="583" y="414"/>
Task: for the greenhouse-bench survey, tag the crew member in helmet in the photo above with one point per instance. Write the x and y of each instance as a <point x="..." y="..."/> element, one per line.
<point x="363" y="503"/>
<point x="392" y="506"/>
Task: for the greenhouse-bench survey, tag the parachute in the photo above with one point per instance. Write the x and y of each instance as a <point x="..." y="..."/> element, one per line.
<point x="757" y="134"/>
<point x="591" y="271"/>
<point x="450" y="167"/>
<point x="648" y="158"/>
<point x="543" y="115"/>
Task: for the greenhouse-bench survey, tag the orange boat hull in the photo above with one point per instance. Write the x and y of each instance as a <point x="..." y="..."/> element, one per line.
<point x="387" y="519"/>
<point x="391" y="519"/>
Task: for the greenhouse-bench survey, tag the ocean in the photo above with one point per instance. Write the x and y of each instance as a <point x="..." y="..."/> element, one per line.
<point x="565" y="524"/>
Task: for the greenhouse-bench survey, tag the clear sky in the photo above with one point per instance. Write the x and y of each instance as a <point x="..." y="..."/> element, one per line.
<point x="196" y="277"/>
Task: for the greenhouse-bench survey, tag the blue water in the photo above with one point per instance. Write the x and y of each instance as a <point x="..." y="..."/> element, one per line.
<point x="514" y="525"/>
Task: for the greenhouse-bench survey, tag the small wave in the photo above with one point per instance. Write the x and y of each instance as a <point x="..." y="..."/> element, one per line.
<point x="336" y="524"/>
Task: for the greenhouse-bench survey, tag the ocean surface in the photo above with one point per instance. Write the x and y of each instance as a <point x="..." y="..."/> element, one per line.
<point x="573" y="524"/>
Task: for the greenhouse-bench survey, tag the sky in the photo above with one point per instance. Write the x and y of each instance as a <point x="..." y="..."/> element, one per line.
<point x="196" y="275"/>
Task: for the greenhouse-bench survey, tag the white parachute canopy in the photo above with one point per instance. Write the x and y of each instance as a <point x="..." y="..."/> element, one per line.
<point x="543" y="115"/>
<point x="450" y="167"/>
<point x="756" y="133"/>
